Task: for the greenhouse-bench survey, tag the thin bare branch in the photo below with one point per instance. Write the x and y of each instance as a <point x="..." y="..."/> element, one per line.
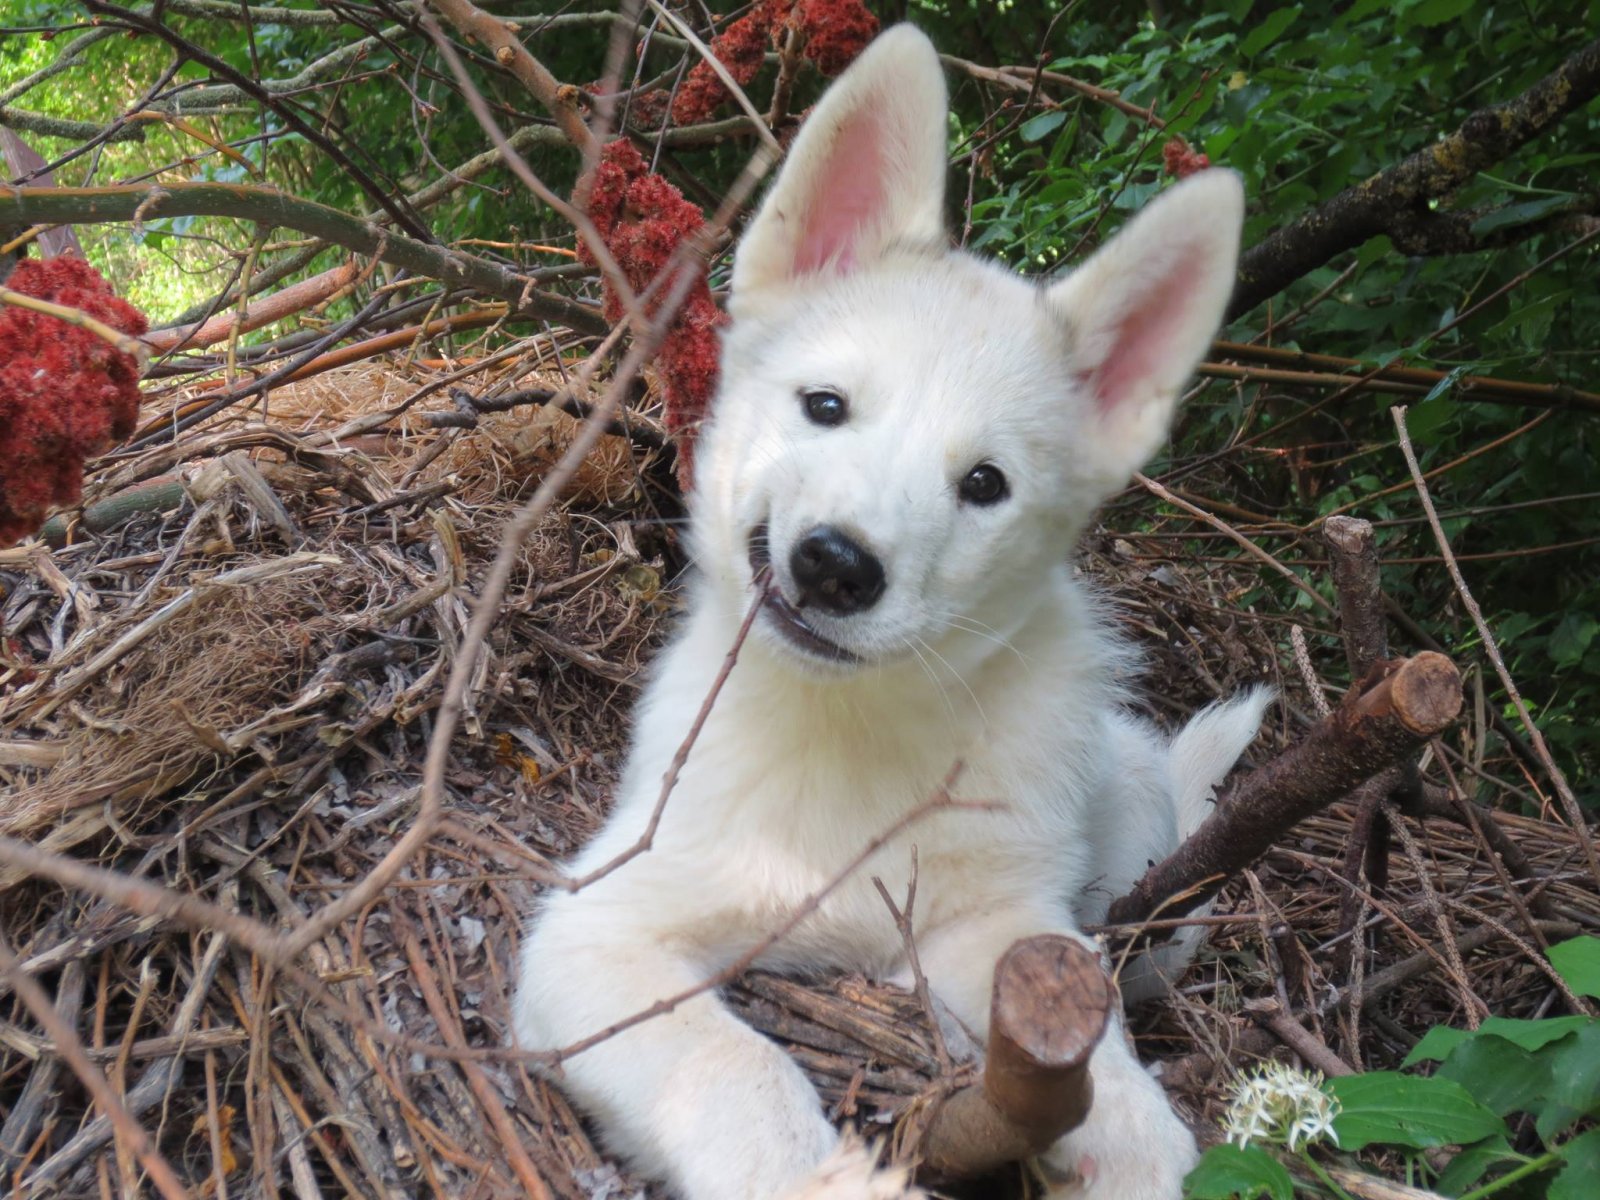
<point x="1569" y="801"/>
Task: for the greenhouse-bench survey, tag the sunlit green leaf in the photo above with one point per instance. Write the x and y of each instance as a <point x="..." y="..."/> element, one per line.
<point x="1578" y="962"/>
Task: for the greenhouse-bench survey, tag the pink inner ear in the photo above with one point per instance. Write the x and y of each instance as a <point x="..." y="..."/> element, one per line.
<point x="1143" y="336"/>
<point x="847" y="200"/>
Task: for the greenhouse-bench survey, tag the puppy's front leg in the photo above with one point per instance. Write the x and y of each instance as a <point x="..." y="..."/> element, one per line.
<point x="694" y="1096"/>
<point x="1132" y="1146"/>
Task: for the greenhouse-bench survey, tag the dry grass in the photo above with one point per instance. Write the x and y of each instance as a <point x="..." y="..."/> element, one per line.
<point x="188" y="696"/>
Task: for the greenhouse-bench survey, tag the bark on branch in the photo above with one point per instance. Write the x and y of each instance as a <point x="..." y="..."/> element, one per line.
<point x="1353" y="555"/>
<point x="500" y="38"/>
<point x="293" y="299"/>
<point x="1333" y="371"/>
<point x="1410" y="701"/>
<point x="1051" y="1002"/>
<point x="80" y="206"/>
<point x="1395" y="199"/>
<point x="1353" y="551"/>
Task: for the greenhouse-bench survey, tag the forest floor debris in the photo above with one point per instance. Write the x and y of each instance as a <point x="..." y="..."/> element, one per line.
<point x="230" y="693"/>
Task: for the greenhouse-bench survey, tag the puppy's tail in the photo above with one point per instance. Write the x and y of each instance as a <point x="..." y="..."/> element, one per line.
<point x="1205" y="749"/>
<point x="1198" y="759"/>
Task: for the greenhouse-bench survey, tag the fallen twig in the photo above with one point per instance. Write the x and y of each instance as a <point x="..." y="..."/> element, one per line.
<point x="1413" y="700"/>
<point x="1302" y="1041"/>
<point x="1381" y="983"/>
<point x="1569" y="801"/>
<point x="1353" y="555"/>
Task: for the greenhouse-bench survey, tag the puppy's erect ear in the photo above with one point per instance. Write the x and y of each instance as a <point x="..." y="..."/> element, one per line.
<point x="866" y="170"/>
<point x="1142" y="311"/>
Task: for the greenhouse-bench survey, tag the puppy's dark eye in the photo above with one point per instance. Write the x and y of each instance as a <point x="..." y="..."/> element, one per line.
<point x="824" y="407"/>
<point x="984" y="484"/>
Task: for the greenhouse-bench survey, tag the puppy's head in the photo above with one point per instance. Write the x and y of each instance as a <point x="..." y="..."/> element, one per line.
<point x="909" y="438"/>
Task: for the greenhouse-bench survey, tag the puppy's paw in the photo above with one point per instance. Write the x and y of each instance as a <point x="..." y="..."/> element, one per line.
<point x="742" y="1123"/>
<point x="1135" y="1148"/>
<point x="852" y="1173"/>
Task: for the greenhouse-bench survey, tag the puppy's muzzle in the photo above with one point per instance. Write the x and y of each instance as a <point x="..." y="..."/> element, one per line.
<point x="834" y="572"/>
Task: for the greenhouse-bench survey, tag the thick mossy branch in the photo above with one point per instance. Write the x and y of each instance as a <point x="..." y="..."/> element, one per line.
<point x="311" y="131"/>
<point x="521" y="141"/>
<point x="1395" y="200"/>
<point x="269" y="207"/>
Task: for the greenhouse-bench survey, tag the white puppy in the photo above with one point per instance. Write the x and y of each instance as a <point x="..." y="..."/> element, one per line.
<point x="912" y="440"/>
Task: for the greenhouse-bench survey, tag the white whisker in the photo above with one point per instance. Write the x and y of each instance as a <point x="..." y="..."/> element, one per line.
<point x="976" y="703"/>
<point x="978" y="629"/>
<point x="933" y="678"/>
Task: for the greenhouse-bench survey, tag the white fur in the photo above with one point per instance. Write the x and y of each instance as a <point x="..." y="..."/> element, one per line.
<point x="982" y="648"/>
<point x="851" y="1172"/>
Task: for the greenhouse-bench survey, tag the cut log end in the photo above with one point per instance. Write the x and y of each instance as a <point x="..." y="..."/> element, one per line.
<point x="1427" y="693"/>
<point x="1051" y="1001"/>
<point x="1348" y="535"/>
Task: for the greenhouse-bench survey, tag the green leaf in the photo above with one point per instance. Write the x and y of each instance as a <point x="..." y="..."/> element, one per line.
<point x="1533" y="1035"/>
<point x="1437" y="12"/>
<point x="1443" y="386"/>
<point x="1520" y="214"/>
<point x="1536" y="313"/>
<point x="1375" y="250"/>
<point x="1436" y="1045"/>
<point x="1425" y="419"/>
<point x="1229" y="1171"/>
<point x="1582" y="1167"/>
<point x="1552" y="1119"/>
<point x="1575" y="1070"/>
<point x="1038" y="127"/>
<point x="1269" y="31"/>
<point x="1439" y="1041"/>
<point x="1512" y="625"/>
<point x="1499" y="1075"/>
<point x="1406" y="1110"/>
<point x="1578" y="962"/>
<point x="1569" y="641"/>
<point x="1466" y="1168"/>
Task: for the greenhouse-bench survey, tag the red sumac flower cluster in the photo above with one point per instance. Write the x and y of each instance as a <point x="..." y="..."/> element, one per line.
<point x="65" y="394"/>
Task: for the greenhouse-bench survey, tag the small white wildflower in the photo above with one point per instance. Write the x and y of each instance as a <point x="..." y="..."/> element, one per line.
<point x="1277" y="1103"/>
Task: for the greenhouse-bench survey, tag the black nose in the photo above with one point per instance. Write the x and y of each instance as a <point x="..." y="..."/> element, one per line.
<point x="835" y="572"/>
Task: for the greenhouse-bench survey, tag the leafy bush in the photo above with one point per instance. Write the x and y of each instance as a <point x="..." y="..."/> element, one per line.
<point x="1304" y="102"/>
<point x="1544" y="1073"/>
